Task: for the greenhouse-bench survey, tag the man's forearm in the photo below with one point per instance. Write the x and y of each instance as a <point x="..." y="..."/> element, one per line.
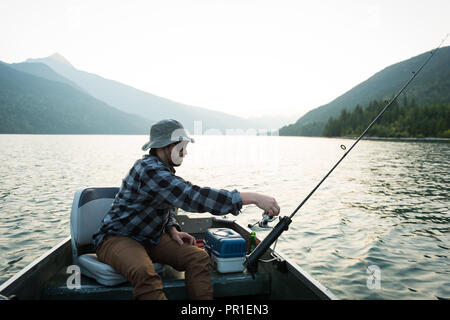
<point x="248" y="197"/>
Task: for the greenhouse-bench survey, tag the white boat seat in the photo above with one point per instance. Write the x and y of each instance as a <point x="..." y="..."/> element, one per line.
<point x="88" y="210"/>
<point x="104" y="274"/>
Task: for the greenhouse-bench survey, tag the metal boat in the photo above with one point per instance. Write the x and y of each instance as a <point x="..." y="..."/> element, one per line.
<point x="50" y="276"/>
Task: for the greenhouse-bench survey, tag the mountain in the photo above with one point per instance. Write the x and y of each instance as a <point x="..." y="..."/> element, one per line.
<point x="43" y="71"/>
<point x="152" y="107"/>
<point x="431" y="86"/>
<point x="31" y="104"/>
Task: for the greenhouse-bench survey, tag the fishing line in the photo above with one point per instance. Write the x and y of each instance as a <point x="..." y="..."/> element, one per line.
<point x="251" y="260"/>
<point x="414" y="74"/>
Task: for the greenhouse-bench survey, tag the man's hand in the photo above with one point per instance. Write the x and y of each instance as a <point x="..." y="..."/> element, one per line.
<point x="267" y="203"/>
<point x="181" y="237"/>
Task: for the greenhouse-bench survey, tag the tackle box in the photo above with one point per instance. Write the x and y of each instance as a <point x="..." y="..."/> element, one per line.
<point x="227" y="249"/>
<point x="227" y="265"/>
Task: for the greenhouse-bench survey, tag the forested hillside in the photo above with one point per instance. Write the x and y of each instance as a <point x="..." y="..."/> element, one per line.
<point x="430" y="87"/>
<point x="402" y="120"/>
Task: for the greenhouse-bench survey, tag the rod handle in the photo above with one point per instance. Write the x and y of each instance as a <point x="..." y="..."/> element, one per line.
<point x="251" y="260"/>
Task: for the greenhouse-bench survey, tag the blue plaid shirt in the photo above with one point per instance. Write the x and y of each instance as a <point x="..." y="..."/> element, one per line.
<point x="145" y="205"/>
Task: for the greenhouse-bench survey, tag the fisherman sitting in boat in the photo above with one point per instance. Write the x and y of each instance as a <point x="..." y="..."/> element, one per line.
<point x="140" y="228"/>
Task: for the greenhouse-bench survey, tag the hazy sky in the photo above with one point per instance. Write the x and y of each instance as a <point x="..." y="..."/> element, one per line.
<point x="240" y="56"/>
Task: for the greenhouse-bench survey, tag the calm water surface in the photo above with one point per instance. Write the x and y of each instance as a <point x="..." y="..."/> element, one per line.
<point x="385" y="207"/>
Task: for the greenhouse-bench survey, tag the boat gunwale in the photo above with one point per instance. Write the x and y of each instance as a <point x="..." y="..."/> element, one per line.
<point x="306" y="278"/>
<point x="17" y="281"/>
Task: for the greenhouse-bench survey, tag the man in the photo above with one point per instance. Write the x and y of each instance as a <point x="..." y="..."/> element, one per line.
<point x="141" y="228"/>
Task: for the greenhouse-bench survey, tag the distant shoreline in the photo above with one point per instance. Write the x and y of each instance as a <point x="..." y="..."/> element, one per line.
<point x="429" y="139"/>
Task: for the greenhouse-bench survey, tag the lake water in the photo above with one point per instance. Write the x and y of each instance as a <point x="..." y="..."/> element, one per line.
<point x="378" y="228"/>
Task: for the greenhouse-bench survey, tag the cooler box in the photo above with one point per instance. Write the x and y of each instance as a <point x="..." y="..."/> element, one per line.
<point x="227" y="249"/>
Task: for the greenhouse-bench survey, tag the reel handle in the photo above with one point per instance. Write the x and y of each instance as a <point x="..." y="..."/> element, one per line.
<point x="266" y="217"/>
<point x="264" y="222"/>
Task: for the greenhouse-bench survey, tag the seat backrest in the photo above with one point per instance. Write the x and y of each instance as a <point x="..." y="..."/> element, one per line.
<point x="89" y="207"/>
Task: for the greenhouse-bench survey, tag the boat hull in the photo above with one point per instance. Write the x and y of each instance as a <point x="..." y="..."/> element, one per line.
<point x="280" y="279"/>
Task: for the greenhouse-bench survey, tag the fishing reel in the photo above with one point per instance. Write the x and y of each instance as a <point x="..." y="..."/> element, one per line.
<point x="264" y="222"/>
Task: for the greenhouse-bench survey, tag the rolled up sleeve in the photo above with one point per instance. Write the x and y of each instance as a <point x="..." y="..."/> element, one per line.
<point x="172" y="221"/>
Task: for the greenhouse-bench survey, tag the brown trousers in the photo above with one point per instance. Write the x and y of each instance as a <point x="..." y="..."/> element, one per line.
<point x="129" y="258"/>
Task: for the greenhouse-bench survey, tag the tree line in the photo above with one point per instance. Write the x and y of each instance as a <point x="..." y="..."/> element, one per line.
<point x="402" y="120"/>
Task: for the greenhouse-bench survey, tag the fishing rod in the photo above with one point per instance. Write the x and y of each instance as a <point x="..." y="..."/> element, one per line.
<point x="251" y="261"/>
